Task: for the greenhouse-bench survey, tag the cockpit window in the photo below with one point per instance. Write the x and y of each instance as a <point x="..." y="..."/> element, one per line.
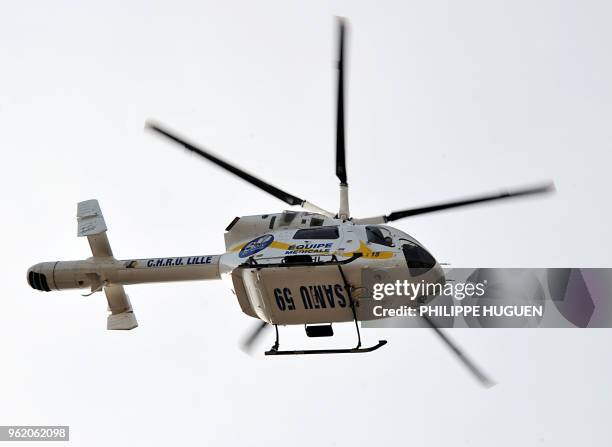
<point x="418" y="259"/>
<point x="317" y="233"/>
<point x="376" y="236"/>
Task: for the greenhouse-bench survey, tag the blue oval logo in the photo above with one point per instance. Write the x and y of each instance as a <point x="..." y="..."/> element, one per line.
<point x="256" y="245"/>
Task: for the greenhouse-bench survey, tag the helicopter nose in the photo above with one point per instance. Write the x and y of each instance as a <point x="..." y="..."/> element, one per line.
<point x="39" y="276"/>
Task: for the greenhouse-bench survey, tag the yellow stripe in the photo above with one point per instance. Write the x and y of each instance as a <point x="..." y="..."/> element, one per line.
<point x="369" y="254"/>
<point x="280" y="245"/>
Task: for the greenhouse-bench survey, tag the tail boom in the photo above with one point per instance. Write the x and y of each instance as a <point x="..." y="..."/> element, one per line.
<point x="94" y="273"/>
<point x="102" y="272"/>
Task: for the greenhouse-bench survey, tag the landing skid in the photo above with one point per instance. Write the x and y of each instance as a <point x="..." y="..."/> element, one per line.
<point x="329" y="351"/>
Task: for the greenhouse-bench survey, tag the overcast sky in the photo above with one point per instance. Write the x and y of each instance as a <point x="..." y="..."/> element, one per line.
<point x="445" y="99"/>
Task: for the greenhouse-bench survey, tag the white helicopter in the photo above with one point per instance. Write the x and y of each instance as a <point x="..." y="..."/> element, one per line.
<point x="311" y="267"/>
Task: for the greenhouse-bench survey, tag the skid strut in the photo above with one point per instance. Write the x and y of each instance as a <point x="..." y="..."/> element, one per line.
<point x="358" y="349"/>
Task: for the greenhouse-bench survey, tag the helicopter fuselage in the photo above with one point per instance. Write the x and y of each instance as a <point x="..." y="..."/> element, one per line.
<point x="306" y="268"/>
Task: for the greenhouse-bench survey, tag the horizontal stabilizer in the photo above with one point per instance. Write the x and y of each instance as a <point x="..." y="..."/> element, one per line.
<point x="90" y="218"/>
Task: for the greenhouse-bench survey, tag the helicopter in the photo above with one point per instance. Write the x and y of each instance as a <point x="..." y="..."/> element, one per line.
<point x="310" y="267"/>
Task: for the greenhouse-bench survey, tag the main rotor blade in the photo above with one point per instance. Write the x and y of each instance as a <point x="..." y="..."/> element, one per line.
<point x="276" y="192"/>
<point x="480" y="376"/>
<point x="545" y="188"/>
<point x="249" y="340"/>
<point x="340" y="149"/>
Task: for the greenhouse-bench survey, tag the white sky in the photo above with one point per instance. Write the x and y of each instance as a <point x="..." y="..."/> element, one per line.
<point x="444" y="99"/>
